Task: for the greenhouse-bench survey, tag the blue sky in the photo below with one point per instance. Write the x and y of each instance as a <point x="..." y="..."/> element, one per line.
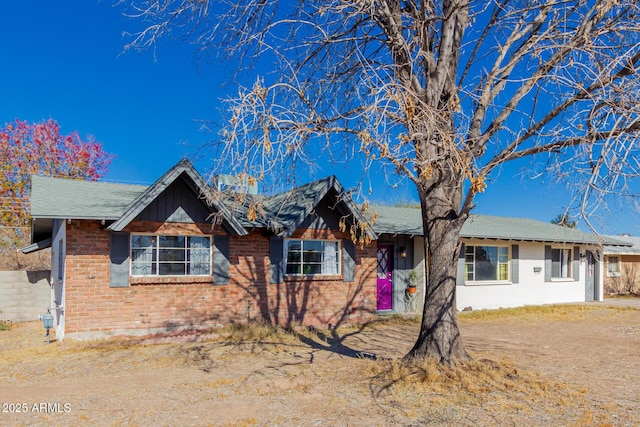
<point x="64" y="60"/>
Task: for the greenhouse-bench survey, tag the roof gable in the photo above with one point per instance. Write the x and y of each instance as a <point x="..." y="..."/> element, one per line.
<point x="178" y="203"/>
<point x="182" y="174"/>
<point x="286" y="212"/>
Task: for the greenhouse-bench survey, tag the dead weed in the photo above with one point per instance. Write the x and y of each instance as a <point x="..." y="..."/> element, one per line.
<point x="443" y="393"/>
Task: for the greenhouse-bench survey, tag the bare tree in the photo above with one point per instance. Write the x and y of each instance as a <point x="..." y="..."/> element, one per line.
<point x="443" y="92"/>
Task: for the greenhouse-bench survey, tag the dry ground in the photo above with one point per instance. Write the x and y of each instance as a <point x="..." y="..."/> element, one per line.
<point x="560" y="365"/>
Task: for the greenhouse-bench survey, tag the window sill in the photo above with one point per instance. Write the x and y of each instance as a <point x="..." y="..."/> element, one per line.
<point x="488" y="283"/>
<point x="316" y="278"/>
<point x="563" y="280"/>
<point x="169" y="280"/>
<point x="613" y="274"/>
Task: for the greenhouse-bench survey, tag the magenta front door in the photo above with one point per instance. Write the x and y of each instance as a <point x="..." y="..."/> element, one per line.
<point x="385" y="277"/>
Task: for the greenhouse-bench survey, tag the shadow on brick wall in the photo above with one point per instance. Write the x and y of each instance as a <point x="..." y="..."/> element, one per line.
<point x="249" y="298"/>
<point x="308" y="301"/>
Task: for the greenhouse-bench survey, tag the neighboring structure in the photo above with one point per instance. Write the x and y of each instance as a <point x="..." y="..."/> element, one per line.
<point x="136" y="260"/>
<point x="23" y="294"/>
<point x="622" y="266"/>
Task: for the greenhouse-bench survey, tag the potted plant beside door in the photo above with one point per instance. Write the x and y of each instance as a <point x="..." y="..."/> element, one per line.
<point x="411" y="286"/>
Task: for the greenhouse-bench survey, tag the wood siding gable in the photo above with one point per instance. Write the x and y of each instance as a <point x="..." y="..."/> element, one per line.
<point x="178" y="203"/>
<point x="185" y="172"/>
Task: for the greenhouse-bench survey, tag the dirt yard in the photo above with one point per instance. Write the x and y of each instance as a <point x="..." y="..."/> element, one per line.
<point x="564" y="365"/>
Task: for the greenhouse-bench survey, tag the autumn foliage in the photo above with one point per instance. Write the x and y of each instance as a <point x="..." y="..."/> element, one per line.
<point x="40" y="149"/>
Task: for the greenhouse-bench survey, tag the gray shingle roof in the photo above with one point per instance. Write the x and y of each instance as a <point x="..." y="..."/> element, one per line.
<point x="634" y="249"/>
<point x="507" y="228"/>
<point x="286" y="211"/>
<point x="78" y="199"/>
<point x="392" y="220"/>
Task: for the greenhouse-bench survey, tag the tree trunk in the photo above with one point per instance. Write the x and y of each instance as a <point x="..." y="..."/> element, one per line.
<point x="439" y="336"/>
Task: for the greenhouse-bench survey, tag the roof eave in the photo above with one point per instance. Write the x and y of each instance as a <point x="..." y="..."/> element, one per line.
<point x="37" y="246"/>
<point x="529" y="239"/>
<point x="89" y="218"/>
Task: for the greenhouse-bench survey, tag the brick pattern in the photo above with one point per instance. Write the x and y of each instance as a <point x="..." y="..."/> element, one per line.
<point x="167" y="303"/>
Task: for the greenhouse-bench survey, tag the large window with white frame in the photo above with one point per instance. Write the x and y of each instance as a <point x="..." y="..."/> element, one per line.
<point x="560" y="263"/>
<point x="153" y="255"/>
<point x="485" y="263"/>
<point x="312" y="257"/>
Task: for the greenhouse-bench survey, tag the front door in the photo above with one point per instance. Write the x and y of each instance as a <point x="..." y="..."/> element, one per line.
<point x="385" y="277"/>
<point x="591" y="280"/>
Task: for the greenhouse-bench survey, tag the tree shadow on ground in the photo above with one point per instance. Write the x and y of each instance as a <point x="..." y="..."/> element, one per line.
<point x="333" y="342"/>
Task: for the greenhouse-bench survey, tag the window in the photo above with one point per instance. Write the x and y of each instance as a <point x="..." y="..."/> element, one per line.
<point x="60" y="260"/>
<point x="486" y="263"/>
<point x="613" y="266"/>
<point x="170" y="255"/>
<point x="560" y="263"/>
<point x="312" y="257"/>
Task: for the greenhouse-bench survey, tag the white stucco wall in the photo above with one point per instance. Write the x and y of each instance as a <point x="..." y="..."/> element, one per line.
<point x="531" y="288"/>
<point x="58" y="255"/>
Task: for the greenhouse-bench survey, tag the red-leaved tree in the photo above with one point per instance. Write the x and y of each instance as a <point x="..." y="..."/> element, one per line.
<point x="39" y="148"/>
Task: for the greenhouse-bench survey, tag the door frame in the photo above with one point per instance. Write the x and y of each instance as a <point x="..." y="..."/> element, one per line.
<point x="390" y="274"/>
<point x="592" y="276"/>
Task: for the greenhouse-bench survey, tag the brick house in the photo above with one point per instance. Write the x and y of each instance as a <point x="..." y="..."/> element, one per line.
<point x="130" y="259"/>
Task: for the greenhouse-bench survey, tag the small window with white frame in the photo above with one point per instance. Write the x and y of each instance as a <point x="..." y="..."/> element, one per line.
<point x="613" y="266"/>
<point x="312" y="257"/>
<point x="560" y="263"/>
<point x="153" y="255"/>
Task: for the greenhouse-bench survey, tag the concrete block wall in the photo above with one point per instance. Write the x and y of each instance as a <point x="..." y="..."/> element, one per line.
<point x="24" y="294"/>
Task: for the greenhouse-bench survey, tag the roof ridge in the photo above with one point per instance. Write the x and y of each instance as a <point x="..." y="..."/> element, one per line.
<point x="97" y="181"/>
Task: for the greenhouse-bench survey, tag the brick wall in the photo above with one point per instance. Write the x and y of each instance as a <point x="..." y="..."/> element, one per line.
<point x="167" y="303"/>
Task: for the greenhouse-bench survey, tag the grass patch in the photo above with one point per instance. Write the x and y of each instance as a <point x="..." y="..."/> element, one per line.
<point x="540" y="312"/>
<point x="5" y="326"/>
<point x="256" y="331"/>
